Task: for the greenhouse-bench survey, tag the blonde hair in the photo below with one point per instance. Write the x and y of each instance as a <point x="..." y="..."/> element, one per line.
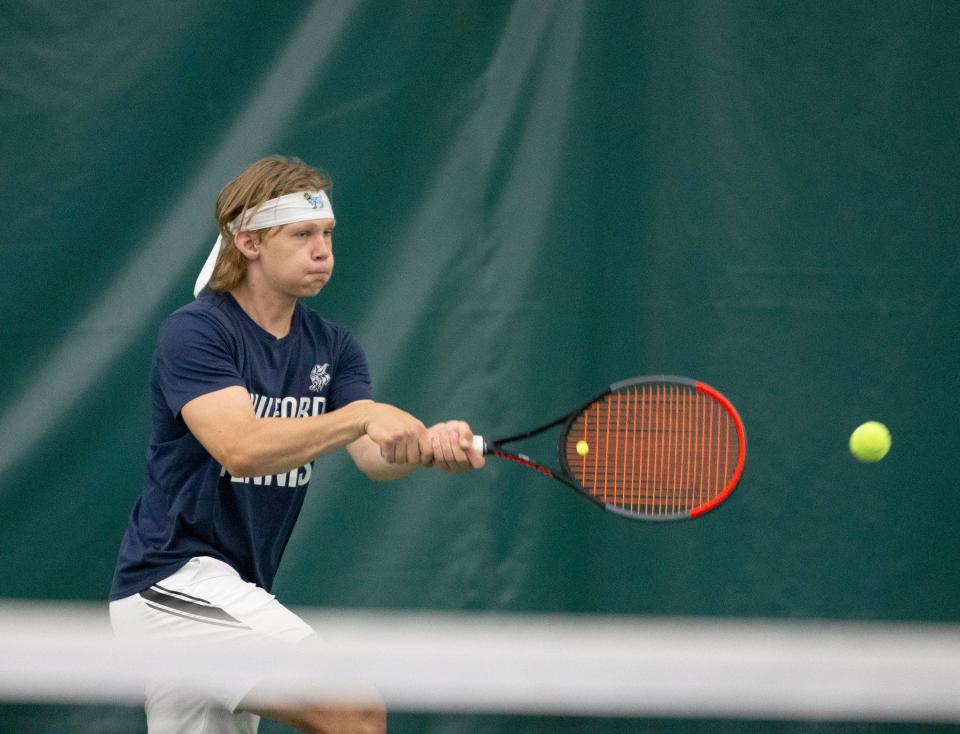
<point x="265" y="179"/>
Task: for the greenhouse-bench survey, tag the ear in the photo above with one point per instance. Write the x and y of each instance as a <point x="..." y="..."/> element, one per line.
<point x="248" y="243"/>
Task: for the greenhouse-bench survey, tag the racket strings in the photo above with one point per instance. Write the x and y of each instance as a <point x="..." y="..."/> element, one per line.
<point x="654" y="449"/>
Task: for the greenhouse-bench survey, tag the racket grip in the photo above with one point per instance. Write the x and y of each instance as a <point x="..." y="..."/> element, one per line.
<point x="479" y="445"/>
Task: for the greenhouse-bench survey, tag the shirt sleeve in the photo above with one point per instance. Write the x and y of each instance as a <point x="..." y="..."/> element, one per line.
<point x="194" y="357"/>
<point x="351" y="379"/>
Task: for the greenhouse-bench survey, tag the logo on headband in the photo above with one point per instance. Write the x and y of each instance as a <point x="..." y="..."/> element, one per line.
<point x="315" y="201"/>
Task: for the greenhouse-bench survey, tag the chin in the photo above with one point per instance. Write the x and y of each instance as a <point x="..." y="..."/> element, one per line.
<point x="311" y="290"/>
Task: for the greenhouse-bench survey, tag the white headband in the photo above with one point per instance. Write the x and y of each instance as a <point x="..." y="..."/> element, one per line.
<point x="285" y="209"/>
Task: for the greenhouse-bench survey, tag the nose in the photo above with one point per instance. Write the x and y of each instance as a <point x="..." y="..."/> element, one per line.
<point x="323" y="249"/>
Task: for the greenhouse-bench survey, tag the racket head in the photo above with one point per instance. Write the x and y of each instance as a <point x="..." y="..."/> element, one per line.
<point x="657" y="448"/>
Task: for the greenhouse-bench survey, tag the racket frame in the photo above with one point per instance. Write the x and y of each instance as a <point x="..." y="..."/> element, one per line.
<point x="565" y="475"/>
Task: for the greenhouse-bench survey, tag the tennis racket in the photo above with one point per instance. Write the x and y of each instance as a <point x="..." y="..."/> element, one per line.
<point x="647" y="448"/>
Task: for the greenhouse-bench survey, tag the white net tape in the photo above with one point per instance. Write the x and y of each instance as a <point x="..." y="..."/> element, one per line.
<point x="570" y="665"/>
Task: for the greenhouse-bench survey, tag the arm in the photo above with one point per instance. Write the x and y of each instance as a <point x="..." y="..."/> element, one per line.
<point x="225" y="424"/>
<point x="366" y="455"/>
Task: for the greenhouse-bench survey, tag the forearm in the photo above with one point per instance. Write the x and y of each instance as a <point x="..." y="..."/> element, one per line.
<point x="368" y="458"/>
<point x="277" y="445"/>
<point x="225" y="424"/>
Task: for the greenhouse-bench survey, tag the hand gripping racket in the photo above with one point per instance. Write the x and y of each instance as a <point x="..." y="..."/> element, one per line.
<point x="648" y="448"/>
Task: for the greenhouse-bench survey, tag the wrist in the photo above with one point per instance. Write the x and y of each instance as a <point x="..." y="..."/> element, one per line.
<point x="361" y="419"/>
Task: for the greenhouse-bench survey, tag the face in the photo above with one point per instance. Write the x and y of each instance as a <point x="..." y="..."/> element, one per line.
<point x="297" y="259"/>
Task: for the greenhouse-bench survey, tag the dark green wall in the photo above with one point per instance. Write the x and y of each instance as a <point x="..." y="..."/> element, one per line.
<point x="534" y="200"/>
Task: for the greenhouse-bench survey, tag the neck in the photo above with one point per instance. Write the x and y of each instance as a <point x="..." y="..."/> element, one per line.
<point x="271" y="311"/>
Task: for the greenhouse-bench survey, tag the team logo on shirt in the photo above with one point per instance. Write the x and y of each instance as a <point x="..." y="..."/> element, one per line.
<point x="319" y="377"/>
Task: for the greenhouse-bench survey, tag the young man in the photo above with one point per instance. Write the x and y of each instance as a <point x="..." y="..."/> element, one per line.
<point x="249" y="387"/>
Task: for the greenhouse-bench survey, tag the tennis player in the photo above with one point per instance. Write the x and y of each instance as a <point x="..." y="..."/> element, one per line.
<point x="248" y="387"/>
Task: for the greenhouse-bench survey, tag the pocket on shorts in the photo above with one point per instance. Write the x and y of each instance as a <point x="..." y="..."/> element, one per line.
<point x="211" y="568"/>
<point x="198" y="569"/>
<point x="182" y="577"/>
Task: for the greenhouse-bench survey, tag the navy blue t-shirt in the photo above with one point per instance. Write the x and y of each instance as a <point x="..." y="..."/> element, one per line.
<point x="189" y="505"/>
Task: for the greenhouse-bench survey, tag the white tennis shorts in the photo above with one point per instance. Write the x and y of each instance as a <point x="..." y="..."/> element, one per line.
<point x="206" y="600"/>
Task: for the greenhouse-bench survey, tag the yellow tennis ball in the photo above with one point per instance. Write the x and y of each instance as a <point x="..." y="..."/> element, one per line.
<point x="870" y="442"/>
<point x="583" y="448"/>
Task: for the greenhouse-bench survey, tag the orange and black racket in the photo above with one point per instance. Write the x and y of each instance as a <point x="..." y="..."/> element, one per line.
<point x="648" y="448"/>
